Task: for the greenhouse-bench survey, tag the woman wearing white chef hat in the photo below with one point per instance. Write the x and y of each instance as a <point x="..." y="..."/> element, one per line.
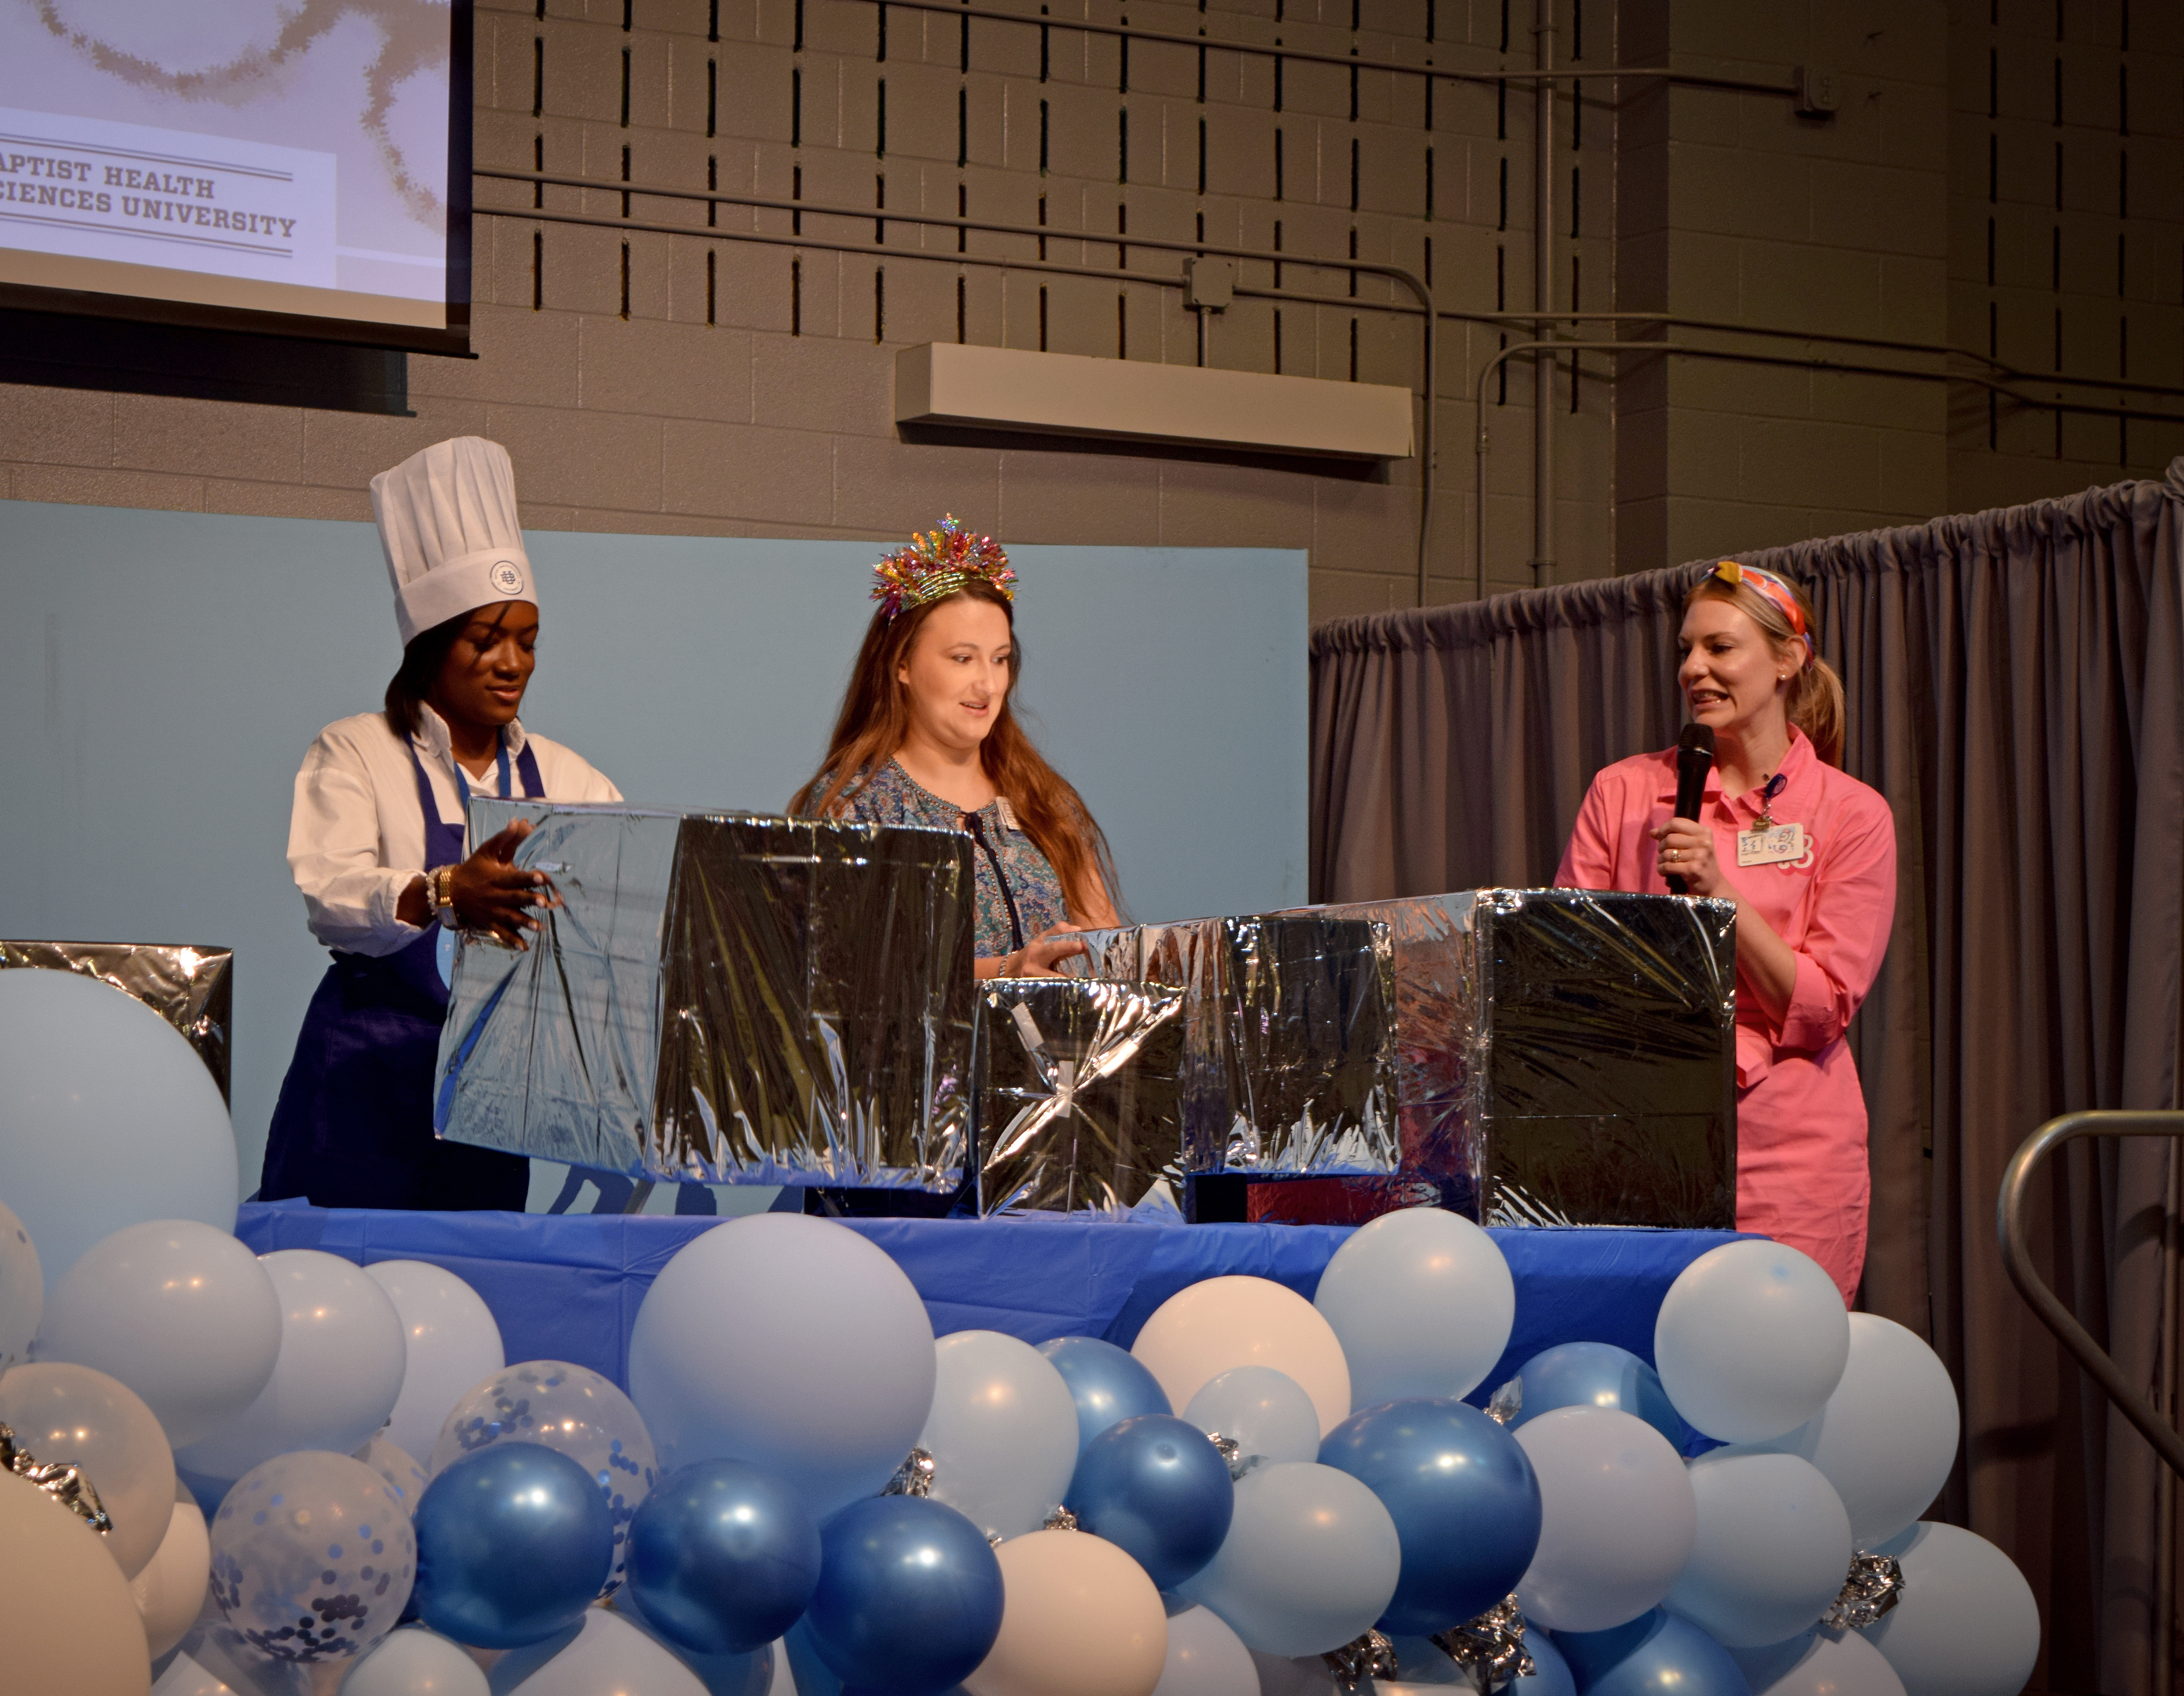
<point x="377" y="845"/>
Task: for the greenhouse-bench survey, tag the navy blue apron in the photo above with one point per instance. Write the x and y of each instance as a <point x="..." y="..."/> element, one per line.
<point x="353" y="1127"/>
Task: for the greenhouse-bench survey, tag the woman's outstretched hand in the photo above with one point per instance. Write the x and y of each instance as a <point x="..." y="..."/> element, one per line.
<point x="1037" y="957"/>
<point x="493" y="895"/>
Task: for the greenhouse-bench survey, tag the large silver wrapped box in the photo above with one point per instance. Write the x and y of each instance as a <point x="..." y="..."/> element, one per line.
<point x="1289" y="1036"/>
<point x="1080" y="1095"/>
<point x="722" y="998"/>
<point x="191" y="987"/>
<point x="1568" y="1056"/>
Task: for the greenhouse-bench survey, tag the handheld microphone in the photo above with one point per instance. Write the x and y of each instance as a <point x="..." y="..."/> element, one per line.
<point x="1694" y="760"/>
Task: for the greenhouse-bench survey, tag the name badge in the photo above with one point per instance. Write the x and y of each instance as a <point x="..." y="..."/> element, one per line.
<point x="1779" y="844"/>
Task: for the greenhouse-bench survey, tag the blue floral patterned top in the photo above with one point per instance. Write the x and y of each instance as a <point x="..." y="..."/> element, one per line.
<point x="1018" y="893"/>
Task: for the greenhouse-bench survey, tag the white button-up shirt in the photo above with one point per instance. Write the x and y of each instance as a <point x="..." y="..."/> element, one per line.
<point x="356" y="839"/>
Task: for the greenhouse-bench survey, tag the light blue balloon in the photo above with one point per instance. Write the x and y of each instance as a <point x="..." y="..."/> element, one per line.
<point x="1423" y="1303"/>
<point x="1108" y="1384"/>
<point x="1265" y="1412"/>
<point x="1598" y="1375"/>
<point x="1773" y="1542"/>
<point x="1550" y="1674"/>
<point x="790" y="1342"/>
<point x="108" y="1118"/>
<point x="1002" y="1431"/>
<point x="1309" y="1561"/>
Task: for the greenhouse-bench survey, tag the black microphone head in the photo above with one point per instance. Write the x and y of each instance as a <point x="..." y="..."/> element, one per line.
<point x="1697" y="739"/>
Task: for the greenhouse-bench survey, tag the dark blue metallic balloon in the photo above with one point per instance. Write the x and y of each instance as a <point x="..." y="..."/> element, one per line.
<point x="1109" y="1384"/>
<point x="1157" y="1489"/>
<point x="1465" y="1504"/>
<point x="908" y="1597"/>
<point x="1656" y="1654"/>
<point x="723" y="1557"/>
<point x="513" y="1544"/>
<point x="1598" y="1375"/>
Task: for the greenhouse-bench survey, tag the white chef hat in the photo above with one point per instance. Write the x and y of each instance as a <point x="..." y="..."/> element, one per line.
<point x="447" y="521"/>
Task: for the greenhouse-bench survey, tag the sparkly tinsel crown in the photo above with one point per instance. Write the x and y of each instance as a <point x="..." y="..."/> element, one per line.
<point x="939" y="563"/>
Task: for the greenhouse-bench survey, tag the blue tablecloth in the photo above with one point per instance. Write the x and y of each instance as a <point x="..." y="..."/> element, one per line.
<point x="567" y="1286"/>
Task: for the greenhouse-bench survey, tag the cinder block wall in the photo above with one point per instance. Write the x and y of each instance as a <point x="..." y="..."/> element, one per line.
<point x="706" y="384"/>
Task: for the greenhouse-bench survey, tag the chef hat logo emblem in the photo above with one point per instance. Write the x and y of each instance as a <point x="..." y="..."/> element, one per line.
<point x="506" y="578"/>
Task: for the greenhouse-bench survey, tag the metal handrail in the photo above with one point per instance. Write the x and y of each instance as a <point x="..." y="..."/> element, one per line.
<point x="2017" y="1259"/>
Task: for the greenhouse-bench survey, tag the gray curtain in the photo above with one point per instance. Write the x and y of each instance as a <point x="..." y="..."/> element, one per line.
<point x="2016" y="691"/>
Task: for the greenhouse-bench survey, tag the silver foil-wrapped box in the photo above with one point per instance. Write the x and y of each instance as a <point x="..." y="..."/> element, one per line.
<point x="191" y="987"/>
<point x="722" y="998"/>
<point x="1080" y="1091"/>
<point x="1567" y="1057"/>
<point x="1289" y="1036"/>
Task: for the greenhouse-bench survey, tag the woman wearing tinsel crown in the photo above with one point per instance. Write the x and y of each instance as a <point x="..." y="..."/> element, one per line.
<point x="925" y="736"/>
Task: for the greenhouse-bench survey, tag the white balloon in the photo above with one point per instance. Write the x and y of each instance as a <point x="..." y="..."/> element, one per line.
<point x="1205" y="1658"/>
<point x="336" y="1377"/>
<point x="171" y="1589"/>
<point x="605" y="1656"/>
<point x="1263" y="1412"/>
<point x="1819" y="1664"/>
<point x="1080" y="1618"/>
<point x="414" y="1661"/>
<point x="73" y="1415"/>
<point x="183" y="1314"/>
<point x="1617" y="1518"/>
<point x="1966" y="1624"/>
<point x="790" y="1342"/>
<point x="1202" y="1330"/>
<point x="22" y="1290"/>
<point x="107" y="1117"/>
<point x="1002" y="1431"/>
<point x="1888" y="1435"/>
<point x="1751" y="1341"/>
<point x="1423" y="1303"/>
<point x="1772" y="1551"/>
<point x="450" y="1342"/>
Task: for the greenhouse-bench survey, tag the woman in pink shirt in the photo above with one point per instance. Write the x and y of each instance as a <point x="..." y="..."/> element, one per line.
<point x="1809" y="856"/>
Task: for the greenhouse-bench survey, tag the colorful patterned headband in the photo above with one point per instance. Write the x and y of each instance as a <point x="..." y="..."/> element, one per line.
<point x="1768" y="587"/>
<point x="939" y="563"/>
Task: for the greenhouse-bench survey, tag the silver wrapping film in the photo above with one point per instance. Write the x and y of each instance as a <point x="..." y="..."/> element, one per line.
<point x="1568" y="1056"/>
<point x="192" y="988"/>
<point x="1289" y="1036"/>
<point x="722" y="998"/>
<point x="1080" y="1094"/>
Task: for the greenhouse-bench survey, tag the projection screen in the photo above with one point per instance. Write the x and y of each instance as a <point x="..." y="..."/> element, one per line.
<point x="300" y="167"/>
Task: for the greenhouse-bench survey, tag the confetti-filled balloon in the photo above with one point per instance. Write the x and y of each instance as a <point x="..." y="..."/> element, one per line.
<point x="573" y="1410"/>
<point x="312" y="1557"/>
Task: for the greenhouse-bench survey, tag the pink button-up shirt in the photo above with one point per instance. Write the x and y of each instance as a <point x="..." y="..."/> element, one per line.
<point x="1802" y="1176"/>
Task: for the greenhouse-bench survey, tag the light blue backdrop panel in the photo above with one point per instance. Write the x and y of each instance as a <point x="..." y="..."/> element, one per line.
<point x="161" y="674"/>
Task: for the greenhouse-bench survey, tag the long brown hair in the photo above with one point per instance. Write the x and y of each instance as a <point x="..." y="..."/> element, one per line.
<point x="411" y="685"/>
<point x="1816" y="692"/>
<point x="875" y="720"/>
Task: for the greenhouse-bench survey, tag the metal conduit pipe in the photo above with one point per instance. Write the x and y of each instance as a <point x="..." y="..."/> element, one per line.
<point x="1543" y="283"/>
<point x="1429" y="316"/>
<point x="1276" y="50"/>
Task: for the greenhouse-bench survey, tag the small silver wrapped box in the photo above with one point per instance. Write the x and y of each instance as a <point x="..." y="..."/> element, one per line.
<point x="1289" y="1036"/>
<point x="192" y="988"/>
<point x="1568" y="1056"/>
<point x="722" y="998"/>
<point x="1080" y="1094"/>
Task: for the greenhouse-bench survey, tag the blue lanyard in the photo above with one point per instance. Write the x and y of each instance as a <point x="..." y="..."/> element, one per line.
<point x="462" y="784"/>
